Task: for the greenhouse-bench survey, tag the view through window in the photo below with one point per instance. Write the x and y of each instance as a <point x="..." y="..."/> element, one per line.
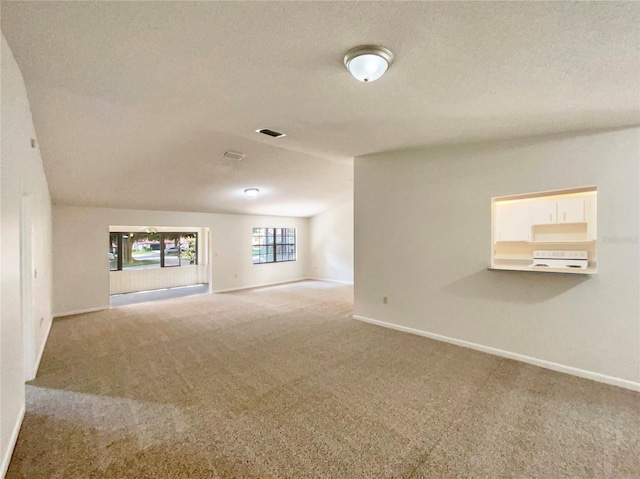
<point x="274" y="245"/>
<point x="152" y="250"/>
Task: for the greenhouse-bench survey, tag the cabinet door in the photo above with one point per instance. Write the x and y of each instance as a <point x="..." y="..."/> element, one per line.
<point x="512" y="222"/>
<point x="571" y="210"/>
<point x="590" y="212"/>
<point x="543" y="212"/>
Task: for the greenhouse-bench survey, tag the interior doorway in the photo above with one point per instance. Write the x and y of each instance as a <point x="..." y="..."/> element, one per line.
<point x="27" y="273"/>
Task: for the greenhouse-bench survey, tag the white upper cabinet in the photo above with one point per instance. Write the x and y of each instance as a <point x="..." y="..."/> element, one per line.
<point x="563" y="210"/>
<point x="543" y="212"/>
<point x="590" y="213"/>
<point x="532" y="219"/>
<point x="572" y="210"/>
<point x="512" y="222"/>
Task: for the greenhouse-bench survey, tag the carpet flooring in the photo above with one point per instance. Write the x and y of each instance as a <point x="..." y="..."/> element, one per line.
<point x="280" y="382"/>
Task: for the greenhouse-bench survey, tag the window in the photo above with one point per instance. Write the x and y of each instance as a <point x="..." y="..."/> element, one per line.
<point x="179" y="249"/>
<point x="114" y="247"/>
<point x="274" y="245"/>
<point x="140" y="251"/>
<point x="152" y="250"/>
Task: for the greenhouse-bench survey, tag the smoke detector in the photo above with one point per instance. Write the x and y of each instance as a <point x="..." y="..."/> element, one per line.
<point x="233" y="155"/>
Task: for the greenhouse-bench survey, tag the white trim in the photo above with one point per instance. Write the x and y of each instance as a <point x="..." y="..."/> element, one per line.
<point x="582" y="373"/>
<point x="39" y="357"/>
<point x="331" y="280"/>
<point x="228" y="290"/>
<point x="27" y="283"/>
<point x="6" y="459"/>
<point x="80" y="311"/>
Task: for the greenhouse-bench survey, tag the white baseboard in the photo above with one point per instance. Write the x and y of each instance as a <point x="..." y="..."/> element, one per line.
<point x="602" y="378"/>
<point x="331" y="280"/>
<point x="228" y="290"/>
<point x="6" y="455"/>
<point x="79" y="311"/>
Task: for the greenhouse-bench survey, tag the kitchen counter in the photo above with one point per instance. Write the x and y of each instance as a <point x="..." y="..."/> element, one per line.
<point x="541" y="269"/>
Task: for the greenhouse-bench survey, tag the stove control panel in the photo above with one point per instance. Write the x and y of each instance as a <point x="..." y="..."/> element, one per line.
<point x="542" y="254"/>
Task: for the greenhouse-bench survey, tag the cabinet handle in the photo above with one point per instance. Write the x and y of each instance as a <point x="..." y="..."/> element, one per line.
<point x="550" y="217"/>
<point x="564" y="216"/>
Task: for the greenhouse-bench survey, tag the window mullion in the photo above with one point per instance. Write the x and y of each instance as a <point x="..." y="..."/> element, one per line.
<point x="119" y="252"/>
<point x="162" y="250"/>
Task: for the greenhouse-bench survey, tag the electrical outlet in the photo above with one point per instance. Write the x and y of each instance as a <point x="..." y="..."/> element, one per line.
<point x="385" y="300"/>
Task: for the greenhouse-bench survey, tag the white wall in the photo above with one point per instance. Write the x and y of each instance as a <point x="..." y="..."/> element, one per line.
<point x="129" y="281"/>
<point x="331" y="249"/>
<point x="422" y="238"/>
<point x="81" y="265"/>
<point x="22" y="175"/>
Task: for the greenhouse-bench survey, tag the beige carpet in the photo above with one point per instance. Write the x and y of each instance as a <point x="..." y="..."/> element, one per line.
<point x="280" y="382"/>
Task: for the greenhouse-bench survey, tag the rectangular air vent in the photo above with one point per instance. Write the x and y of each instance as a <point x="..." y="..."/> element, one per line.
<point x="233" y="155"/>
<point x="267" y="131"/>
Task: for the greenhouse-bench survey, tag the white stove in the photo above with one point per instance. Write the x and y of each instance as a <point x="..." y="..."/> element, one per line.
<point x="560" y="259"/>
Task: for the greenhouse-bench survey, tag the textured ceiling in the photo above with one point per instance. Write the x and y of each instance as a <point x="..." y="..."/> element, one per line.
<point x="134" y="102"/>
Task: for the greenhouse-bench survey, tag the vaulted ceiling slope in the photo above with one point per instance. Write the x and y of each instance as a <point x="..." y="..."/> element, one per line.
<point x="135" y="102"/>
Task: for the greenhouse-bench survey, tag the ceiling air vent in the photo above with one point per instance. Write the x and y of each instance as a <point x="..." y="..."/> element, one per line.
<point x="267" y="131"/>
<point x="233" y="155"/>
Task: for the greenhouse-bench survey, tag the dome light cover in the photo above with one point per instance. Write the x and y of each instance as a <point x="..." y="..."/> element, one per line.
<point x="367" y="63"/>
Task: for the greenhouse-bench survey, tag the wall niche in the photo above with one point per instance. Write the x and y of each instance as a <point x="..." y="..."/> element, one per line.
<point x="549" y="231"/>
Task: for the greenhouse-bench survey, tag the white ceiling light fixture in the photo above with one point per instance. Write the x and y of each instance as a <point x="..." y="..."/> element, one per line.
<point x="367" y="63"/>
<point x="251" y="192"/>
